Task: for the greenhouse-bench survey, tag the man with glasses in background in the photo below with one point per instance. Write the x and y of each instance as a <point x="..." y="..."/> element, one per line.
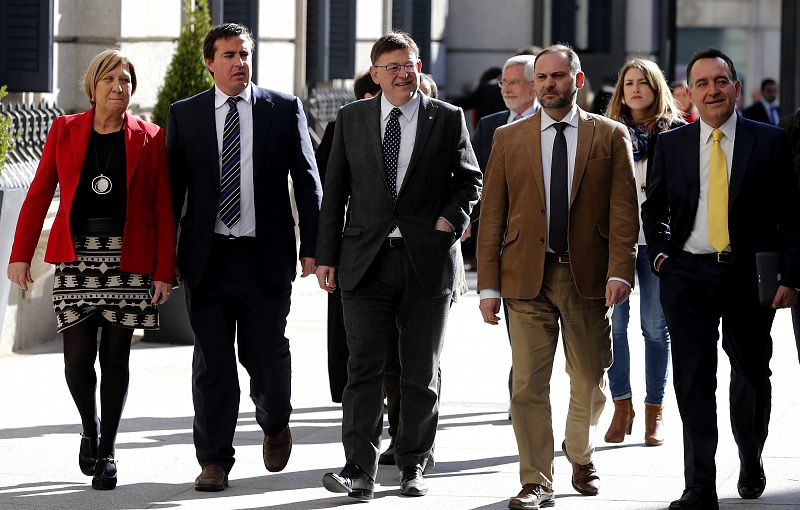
<point x="403" y="166"/>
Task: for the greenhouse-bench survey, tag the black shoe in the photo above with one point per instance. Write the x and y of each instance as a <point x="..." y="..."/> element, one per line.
<point x="412" y="483"/>
<point x="352" y="480"/>
<point x="87" y="455"/>
<point x="697" y="499"/>
<point x="105" y="474"/>
<point x="387" y="457"/>
<point x="752" y="481"/>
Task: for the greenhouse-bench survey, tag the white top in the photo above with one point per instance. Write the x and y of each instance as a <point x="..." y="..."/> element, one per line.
<point x="246" y="226"/>
<point x="640" y="176"/>
<point x="408" y="135"/>
<point x="698" y="239"/>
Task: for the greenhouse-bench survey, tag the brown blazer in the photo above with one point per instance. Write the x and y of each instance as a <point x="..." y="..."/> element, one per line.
<point x="603" y="221"/>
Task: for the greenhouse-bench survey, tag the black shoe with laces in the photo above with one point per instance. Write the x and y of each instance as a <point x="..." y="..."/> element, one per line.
<point x="412" y="482"/>
<point x="352" y="480"/>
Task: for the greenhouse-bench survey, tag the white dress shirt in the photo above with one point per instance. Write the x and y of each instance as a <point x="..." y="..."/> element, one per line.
<point x="246" y="226"/>
<point x="408" y="135"/>
<point x="698" y="238"/>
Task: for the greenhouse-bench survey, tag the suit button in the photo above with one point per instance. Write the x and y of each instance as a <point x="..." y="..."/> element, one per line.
<point x="541" y="212"/>
<point x="541" y="240"/>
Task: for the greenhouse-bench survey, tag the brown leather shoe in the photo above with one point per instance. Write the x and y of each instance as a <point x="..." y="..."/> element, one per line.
<point x="532" y="496"/>
<point x="584" y="476"/>
<point x="277" y="450"/>
<point x="212" y="479"/>
<point x="621" y="423"/>
<point x="653" y="425"/>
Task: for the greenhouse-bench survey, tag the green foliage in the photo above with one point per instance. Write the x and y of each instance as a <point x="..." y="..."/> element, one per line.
<point x="186" y="74"/>
<point x="6" y="137"/>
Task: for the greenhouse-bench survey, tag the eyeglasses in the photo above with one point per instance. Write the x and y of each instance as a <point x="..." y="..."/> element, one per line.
<point x="394" y="68"/>
<point x="512" y="83"/>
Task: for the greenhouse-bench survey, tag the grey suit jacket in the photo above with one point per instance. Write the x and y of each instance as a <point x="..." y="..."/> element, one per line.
<point x="442" y="180"/>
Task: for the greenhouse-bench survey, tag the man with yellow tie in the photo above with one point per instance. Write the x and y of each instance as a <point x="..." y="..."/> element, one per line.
<point x="721" y="190"/>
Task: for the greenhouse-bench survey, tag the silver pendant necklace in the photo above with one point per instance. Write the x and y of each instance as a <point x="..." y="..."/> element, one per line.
<point x="102" y="184"/>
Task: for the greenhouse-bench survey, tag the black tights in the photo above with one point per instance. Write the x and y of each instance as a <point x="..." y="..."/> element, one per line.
<point x="80" y="351"/>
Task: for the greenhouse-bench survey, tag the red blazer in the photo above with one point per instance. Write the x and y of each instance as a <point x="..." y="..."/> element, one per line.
<point x="148" y="239"/>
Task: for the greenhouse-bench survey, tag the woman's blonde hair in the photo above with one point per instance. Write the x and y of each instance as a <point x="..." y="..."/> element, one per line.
<point x="663" y="108"/>
<point x="102" y="63"/>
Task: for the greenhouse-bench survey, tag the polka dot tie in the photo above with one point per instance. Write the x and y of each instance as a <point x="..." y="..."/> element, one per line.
<point x="231" y="168"/>
<point x="391" y="149"/>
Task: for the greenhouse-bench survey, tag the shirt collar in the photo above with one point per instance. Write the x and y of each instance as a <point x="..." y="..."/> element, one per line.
<point x="531" y="109"/>
<point x="728" y="129"/>
<point x="220" y="97"/>
<point x="570" y="118"/>
<point x="767" y="105"/>
<point x="408" y="109"/>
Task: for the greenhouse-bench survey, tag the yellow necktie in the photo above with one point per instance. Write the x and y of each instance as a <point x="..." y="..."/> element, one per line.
<point x="717" y="195"/>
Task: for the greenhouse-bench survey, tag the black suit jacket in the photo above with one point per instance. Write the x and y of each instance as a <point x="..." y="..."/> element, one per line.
<point x="484" y="134"/>
<point x="442" y="180"/>
<point x="762" y="195"/>
<point x="281" y="147"/>
<point x="757" y="112"/>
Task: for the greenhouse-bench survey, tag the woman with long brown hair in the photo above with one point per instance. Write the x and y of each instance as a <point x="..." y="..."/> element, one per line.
<point x="643" y="102"/>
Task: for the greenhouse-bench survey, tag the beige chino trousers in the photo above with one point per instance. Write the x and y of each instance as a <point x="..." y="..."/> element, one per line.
<point x="534" y="326"/>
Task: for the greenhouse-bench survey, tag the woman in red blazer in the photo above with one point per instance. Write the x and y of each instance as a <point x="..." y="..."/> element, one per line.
<point x="112" y="241"/>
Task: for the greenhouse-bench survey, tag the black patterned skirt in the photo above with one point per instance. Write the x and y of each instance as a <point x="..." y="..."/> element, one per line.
<point x="95" y="284"/>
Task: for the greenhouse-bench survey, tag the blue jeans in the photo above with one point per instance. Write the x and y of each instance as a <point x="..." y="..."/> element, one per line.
<point x="656" y="338"/>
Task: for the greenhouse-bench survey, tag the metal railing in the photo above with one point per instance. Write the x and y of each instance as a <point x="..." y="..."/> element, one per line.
<point x="30" y="125"/>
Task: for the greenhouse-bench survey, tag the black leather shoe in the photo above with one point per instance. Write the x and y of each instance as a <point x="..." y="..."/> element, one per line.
<point x="105" y="474"/>
<point x="752" y="482"/>
<point x="352" y="480"/>
<point x="696" y="499"/>
<point x="412" y="483"/>
<point x="87" y="455"/>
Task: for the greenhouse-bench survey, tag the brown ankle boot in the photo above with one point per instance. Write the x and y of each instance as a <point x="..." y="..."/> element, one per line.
<point x="653" y="425"/>
<point x="622" y="422"/>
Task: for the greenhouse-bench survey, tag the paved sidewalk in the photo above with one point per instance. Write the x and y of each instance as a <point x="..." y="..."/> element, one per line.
<point x="476" y="462"/>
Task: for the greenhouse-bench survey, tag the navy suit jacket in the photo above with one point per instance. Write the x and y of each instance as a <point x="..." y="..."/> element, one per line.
<point x="762" y="195"/>
<point x="484" y="134"/>
<point x="281" y="147"/>
<point x="757" y="112"/>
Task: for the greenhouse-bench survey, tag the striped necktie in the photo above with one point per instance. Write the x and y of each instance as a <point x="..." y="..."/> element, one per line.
<point x="231" y="169"/>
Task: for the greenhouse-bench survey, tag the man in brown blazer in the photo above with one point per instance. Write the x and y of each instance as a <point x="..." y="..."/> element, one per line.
<point x="558" y="233"/>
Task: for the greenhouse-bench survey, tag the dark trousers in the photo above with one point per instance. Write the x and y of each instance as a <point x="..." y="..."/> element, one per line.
<point x="391" y="384"/>
<point x="696" y="293"/>
<point x="796" y="326"/>
<point x="337" y="346"/>
<point x="391" y="296"/>
<point x="231" y="303"/>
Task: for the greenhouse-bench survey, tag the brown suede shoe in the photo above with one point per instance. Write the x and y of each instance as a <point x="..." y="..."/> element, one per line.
<point x="212" y="479"/>
<point x="277" y="450"/>
<point x="584" y="476"/>
<point x="532" y="496"/>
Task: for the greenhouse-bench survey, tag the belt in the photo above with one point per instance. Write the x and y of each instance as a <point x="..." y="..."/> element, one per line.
<point x="553" y="257"/>
<point x="394" y="242"/>
<point x="724" y="257"/>
<point x="230" y="238"/>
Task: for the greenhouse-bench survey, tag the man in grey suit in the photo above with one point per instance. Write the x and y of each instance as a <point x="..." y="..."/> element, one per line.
<point x="404" y="167"/>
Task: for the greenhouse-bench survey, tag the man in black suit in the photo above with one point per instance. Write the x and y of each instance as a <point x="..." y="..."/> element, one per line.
<point x="791" y="124"/>
<point x="766" y="109"/>
<point x="721" y="190"/>
<point x="403" y="165"/>
<point x="233" y="148"/>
